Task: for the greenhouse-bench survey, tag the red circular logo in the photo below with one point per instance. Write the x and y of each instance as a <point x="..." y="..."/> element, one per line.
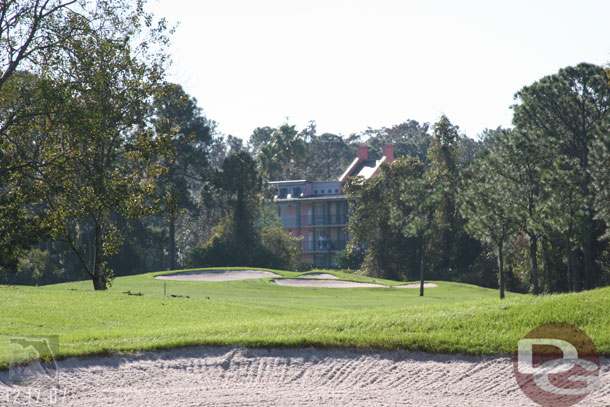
<point x="556" y="365"/>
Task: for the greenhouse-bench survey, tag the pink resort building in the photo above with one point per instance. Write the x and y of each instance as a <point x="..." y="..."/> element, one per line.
<point x="318" y="210"/>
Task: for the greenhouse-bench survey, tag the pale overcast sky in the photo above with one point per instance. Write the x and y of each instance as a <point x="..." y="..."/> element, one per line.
<point x="353" y="64"/>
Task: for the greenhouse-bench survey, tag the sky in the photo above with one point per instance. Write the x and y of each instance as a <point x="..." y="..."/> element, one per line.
<point x="349" y="65"/>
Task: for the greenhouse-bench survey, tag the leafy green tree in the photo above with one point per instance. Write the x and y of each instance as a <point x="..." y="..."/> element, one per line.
<point x="29" y="28"/>
<point x="259" y="138"/>
<point x="564" y="212"/>
<point x="409" y="138"/>
<point x="177" y="116"/>
<point x="242" y="184"/>
<point x="420" y="196"/>
<point x="485" y="201"/>
<point x="250" y="234"/>
<point x="111" y="168"/>
<point x="600" y="173"/>
<point x="389" y="254"/>
<point x="21" y="145"/>
<point x="566" y="113"/>
<point x="442" y="176"/>
<point x="326" y="157"/>
<point x="520" y="162"/>
<point x="281" y="154"/>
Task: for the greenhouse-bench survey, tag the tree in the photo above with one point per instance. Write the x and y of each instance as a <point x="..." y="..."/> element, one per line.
<point x="250" y="234"/>
<point x="566" y="112"/>
<point x="326" y="157"/>
<point x="520" y="163"/>
<point x="106" y="85"/>
<point x="600" y="173"/>
<point x="442" y="176"/>
<point x="259" y="138"/>
<point x="20" y="148"/>
<point x="284" y="149"/>
<point x="178" y="117"/>
<point x="485" y="202"/>
<point x="409" y="138"/>
<point x="389" y="254"/>
<point x="28" y="28"/>
<point x="420" y="195"/>
<point x="31" y="27"/>
<point x="242" y="185"/>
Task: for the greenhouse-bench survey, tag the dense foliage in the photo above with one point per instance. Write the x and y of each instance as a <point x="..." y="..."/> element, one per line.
<point x="107" y="169"/>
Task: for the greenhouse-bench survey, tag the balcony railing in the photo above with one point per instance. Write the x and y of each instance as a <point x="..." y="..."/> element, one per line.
<point x="323" y="245"/>
<point x="309" y="220"/>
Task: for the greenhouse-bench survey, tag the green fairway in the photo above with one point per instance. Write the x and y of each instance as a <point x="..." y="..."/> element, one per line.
<point x="450" y="318"/>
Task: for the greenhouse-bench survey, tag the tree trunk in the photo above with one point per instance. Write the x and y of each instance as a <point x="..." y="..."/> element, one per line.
<point x="99" y="281"/>
<point x="422" y="267"/>
<point x="573" y="272"/>
<point x="501" y="270"/>
<point x="172" y="244"/>
<point x="534" y="262"/>
<point x="545" y="266"/>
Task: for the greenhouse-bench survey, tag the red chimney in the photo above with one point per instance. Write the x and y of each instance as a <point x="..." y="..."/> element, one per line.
<point x="388" y="151"/>
<point x="363" y="152"/>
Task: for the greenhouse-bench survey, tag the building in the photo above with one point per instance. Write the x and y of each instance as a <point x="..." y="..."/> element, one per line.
<point x="318" y="210"/>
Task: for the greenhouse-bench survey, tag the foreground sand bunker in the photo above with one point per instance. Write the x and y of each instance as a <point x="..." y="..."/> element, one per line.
<point x="217" y="275"/>
<point x="308" y="377"/>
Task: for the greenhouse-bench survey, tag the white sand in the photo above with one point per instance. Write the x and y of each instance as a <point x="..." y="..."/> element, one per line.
<point x="319" y="275"/>
<point x="416" y="285"/>
<point x="217" y="275"/>
<point x="311" y="282"/>
<point x="319" y="281"/>
<point x="290" y="377"/>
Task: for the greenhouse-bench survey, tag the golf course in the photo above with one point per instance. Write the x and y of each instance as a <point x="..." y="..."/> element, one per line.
<point x="144" y="313"/>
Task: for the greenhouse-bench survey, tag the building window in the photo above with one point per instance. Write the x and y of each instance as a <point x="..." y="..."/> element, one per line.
<point x="336" y="191"/>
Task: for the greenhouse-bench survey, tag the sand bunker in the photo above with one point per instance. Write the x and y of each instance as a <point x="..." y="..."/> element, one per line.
<point x="217" y="275"/>
<point x="416" y="285"/>
<point x="287" y="377"/>
<point x="321" y="280"/>
<point x="312" y="282"/>
<point x="324" y="276"/>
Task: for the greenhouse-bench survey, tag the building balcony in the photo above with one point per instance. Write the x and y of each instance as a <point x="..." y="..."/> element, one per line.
<point x="309" y="221"/>
<point x="322" y="246"/>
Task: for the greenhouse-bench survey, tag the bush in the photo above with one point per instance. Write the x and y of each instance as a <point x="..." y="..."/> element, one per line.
<point x="351" y="258"/>
<point x="216" y="253"/>
<point x="276" y="249"/>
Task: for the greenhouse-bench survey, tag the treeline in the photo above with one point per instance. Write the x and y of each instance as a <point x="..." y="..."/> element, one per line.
<point x="107" y="169"/>
<point x="534" y="199"/>
<point x="525" y="209"/>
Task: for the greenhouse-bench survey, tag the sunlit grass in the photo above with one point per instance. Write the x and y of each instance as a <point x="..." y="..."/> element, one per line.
<point x="450" y="318"/>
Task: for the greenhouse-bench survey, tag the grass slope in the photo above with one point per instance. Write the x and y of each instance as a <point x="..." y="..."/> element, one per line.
<point x="450" y="318"/>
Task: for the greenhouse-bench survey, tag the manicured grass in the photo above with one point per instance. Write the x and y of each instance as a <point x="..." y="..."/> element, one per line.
<point x="450" y="318"/>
